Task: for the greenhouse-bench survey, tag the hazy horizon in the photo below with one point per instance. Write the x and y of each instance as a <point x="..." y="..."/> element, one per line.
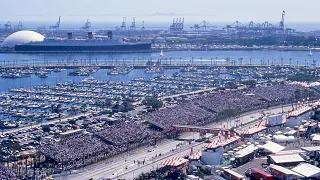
<point x="98" y="25"/>
<point x="39" y="12"/>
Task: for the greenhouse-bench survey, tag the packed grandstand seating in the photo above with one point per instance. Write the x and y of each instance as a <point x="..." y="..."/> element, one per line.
<point x="126" y="133"/>
<point x="218" y="102"/>
<point x="76" y="150"/>
<point x="6" y="173"/>
<point x="209" y="107"/>
<point x="283" y="93"/>
<point x="182" y="114"/>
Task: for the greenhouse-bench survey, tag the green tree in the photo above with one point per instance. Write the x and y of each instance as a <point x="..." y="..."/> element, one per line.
<point x="126" y="106"/>
<point x="38" y="138"/>
<point x="108" y="103"/>
<point x="250" y="83"/>
<point x="72" y="122"/>
<point x="152" y="102"/>
<point x="46" y="128"/>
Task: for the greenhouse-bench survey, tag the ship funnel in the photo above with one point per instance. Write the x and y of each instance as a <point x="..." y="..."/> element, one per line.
<point x="69" y="35"/>
<point x="90" y="36"/>
<point x="110" y="34"/>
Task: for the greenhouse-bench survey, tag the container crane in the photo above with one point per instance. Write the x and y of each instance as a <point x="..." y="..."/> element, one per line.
<point x="263" y="29"/>
<point x="86" y="26"/>
<point x="133" y="25"/>
<point x="177" y="25"/>
<point x="57" y="25"/>
<point x="19" y="25"/>
<point x="7" y="26"/>
<point x="123" y="26"/>
<point x="203" y="26"/>
<point x="281" y="23"/>
<point x="143" y="28"/>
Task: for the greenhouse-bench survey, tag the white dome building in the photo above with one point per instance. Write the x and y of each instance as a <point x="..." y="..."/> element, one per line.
<point x="22" y="37"/>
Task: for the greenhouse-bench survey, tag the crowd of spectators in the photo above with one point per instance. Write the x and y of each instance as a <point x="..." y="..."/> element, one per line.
<point x="276" y="95"/>
<point x="126" y="134"/>
<point x="7" y="174"/>
<point x="220" y="101"/>
<point x="212" y="107"/>
<point x="85" y="149"/>
<point x="77" y="151"/>
<point x="182" y="114"/>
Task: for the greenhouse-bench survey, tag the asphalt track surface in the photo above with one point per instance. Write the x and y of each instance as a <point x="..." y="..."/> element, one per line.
<point x="125" y="166"/>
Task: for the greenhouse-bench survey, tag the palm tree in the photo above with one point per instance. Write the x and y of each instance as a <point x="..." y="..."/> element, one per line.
<point x="227" y="60"/>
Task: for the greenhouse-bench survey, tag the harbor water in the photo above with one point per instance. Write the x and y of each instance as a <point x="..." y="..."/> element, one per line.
<point x="174" y="57"/>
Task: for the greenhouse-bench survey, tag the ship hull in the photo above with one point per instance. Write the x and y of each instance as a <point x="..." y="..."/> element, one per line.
<point x="99" y="48"/>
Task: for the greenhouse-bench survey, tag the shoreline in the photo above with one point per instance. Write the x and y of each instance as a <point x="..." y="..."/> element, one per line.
<point x="156" y="50"/>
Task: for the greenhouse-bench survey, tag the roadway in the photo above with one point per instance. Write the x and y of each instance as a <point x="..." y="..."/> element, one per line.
<point x="123" y="166"/>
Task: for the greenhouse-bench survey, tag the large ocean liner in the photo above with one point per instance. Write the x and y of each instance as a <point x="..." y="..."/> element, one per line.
<point x="90" y="44"/>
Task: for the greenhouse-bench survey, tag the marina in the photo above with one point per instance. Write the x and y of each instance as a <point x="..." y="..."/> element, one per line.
<point x="36" y="88"/>
<point x="39" y="99"/>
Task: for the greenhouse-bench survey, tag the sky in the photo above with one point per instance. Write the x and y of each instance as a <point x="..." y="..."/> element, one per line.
<point x="153" y="11"/>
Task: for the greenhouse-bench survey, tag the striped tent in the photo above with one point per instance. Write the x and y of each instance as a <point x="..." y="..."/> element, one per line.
<point x="217" y="144"/>
<point x="196" y="156"/>
<point x="174" y="162"/>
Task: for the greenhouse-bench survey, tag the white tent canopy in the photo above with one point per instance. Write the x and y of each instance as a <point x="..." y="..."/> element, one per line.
<point x="316" y="137"/>
<point x="286" y="158"/>
<point x="284" y="170"/>
<point x="272" y="147"/>
<point x="307" y="170"/>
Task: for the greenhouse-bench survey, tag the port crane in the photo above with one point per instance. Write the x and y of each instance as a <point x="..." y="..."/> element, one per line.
<point x="7" y="26"/>
<point x="86" y="26"/>
<point x="143" y="28"/>
<point x="56" y="26"/>
<point x="133" y="25"/>
<point x="19" y="26"/>
<point x="265" y="28"/>
<point x="123" y="26"/>
<point x="177" y="25"/>
<point x="203" y="26"/>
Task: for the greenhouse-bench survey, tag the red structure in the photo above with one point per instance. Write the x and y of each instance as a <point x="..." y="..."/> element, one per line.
<point x="255" y="173"/>
<point x="201" y="130"/>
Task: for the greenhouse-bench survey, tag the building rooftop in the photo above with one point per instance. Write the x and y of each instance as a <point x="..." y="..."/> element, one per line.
<point x="284" y="170"/>
<point x="71" y="131"/>
<point x="286" y="158"/>
<point x="272" y="147"/>
<point x="311" y="148"/>
<point x="307" y="170"/>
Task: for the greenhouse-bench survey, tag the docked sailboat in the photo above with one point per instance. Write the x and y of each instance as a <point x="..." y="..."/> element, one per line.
<point x="154" y="69"/>
<point x="161" y="54"/>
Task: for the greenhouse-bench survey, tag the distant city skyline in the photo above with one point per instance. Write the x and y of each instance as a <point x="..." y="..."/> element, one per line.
<point x="152" y="12"/>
